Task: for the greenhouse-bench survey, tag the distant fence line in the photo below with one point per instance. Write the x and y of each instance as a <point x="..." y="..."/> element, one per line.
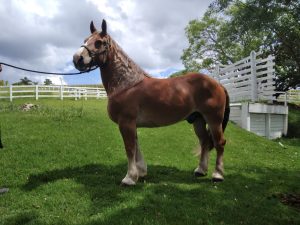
<point x="50" y="91"/>
<point x="236" y="91"/>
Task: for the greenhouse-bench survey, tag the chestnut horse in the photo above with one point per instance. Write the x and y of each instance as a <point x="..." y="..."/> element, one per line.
<point x="137" y="100"/>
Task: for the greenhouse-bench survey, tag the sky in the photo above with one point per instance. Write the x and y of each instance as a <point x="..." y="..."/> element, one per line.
<point x="44" y="34"/>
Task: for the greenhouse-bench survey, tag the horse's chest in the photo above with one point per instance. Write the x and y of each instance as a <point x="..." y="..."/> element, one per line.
<point x="121" y="110"/>
<point x="113" y="111"/>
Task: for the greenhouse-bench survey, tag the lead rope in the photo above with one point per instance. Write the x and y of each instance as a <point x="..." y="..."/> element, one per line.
<point x="43" y="72"/>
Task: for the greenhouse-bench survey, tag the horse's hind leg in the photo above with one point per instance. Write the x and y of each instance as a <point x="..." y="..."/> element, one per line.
<point x="219" y="143"/>
<point x="206" y="145"/>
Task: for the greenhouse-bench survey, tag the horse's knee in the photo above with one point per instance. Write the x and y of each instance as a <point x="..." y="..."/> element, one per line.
<point x="207" y="143"/>
<point x="220" y="145"/>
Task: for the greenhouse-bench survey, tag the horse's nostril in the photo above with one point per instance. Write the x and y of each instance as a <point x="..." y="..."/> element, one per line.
<point x="75" y="59"/>
<point x="78" y="60"/>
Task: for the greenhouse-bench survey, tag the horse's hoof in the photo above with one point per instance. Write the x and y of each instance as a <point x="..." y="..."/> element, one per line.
<point x="217" y="177"/>
<point x="217" y="180"/>
<point x="142" y="173"/>
<point x="126" y="185"/>
<point x="198" y="174"/>
<point x="127" y="181"/>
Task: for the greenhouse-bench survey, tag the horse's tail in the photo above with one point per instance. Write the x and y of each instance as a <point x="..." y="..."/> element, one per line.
<point x="227" y="111"/>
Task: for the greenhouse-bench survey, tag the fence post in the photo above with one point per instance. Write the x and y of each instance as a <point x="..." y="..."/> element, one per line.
<point x="10" y="93"/>
<point x="36" y="92"/>
<point x="217" y="72"/>
<point x="254" y="94"/>
<point x="61" y="92"/>
<point x="98" y="94"/>
<point x="285" y="99"/>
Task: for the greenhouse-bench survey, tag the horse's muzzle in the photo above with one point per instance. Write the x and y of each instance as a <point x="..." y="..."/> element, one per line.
<point x="78" y="61"/>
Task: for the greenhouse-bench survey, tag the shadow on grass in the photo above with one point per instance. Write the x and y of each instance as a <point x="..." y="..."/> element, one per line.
<point x="22" y="218"/>
<point x="293" y="121"/>
<point x="172" y="196"/>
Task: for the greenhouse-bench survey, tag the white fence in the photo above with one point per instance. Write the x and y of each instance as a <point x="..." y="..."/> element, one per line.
<point x="251" y="78"/>
<point x="50" y="91"/>
<point x="292" y="96"/>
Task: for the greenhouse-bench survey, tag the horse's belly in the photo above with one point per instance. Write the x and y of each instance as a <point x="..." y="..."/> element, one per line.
<point x="160" y="117"/>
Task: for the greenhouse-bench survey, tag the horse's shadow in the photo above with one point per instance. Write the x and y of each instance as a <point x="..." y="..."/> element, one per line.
<point x="100" y="176"/>
<point x="103" y="182"/>
<point x="163" y="200"/>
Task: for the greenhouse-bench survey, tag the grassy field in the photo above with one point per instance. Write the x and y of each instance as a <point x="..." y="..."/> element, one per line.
<point x="64" y="161"/>
<point x="294" y="121"/>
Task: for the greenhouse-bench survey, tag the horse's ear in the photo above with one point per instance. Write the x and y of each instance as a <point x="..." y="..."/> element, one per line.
<point x="92" y="27"/>
<point x="104" y="27"/>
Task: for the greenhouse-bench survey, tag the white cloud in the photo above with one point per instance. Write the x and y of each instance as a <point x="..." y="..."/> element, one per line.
<point x="44" y="34"/>
<point x="36" y="7"/>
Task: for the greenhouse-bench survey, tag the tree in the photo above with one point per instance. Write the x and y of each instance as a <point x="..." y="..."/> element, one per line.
<point x="25" y="81"/>
<point x="179" y="73"/>
<point x="212" y="41"/>
<point x="3" y="83"/>
<point x="48" y="82"/>
<point x="230" y="29"/>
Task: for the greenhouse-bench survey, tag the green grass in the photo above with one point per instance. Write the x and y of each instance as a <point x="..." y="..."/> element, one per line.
<point x="64" y="161"/>
<point x="294" y="121"/>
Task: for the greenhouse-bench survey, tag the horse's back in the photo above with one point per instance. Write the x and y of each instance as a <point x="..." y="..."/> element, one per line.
<point x="208" y="95"/>
<point x="159" y="102"/>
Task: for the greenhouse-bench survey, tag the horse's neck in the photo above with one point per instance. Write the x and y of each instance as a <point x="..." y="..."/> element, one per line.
<point x="120" y="72"/>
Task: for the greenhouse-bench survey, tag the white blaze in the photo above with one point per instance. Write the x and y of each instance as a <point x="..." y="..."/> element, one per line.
<point x="85" y="54"/>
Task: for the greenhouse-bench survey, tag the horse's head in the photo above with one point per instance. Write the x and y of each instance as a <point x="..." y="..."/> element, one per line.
<point x="94" y="51"/>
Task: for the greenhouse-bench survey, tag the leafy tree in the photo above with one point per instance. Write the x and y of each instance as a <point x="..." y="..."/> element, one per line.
<point x="3" y="83"/>
<point x="231" y="29"/>
<point x="48" y="82"/>
<point x="179" y="73"/>
<point x="25" y="81"/>
<point x="212" y="41"/>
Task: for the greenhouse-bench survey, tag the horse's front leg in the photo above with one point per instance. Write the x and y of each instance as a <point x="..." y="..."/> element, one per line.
<point x="140" y="163"/>
<point x="128" y="132"/>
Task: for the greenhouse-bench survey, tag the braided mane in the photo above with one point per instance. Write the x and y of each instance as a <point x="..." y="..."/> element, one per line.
<point x="124" y="72"/>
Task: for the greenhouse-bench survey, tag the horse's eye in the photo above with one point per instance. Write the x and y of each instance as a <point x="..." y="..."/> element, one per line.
<point x="98" y="44"/>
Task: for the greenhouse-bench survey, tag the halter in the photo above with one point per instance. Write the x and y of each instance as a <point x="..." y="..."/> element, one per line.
<point x="93" y="54"/>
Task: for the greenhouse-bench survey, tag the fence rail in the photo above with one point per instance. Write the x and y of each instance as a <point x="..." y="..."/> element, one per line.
<point x="251" y="78"/>
<point x="292" y="96"/>
<point x="50" y="91"/>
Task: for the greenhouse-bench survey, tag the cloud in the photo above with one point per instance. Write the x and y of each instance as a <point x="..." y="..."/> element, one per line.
<point x="44" y="35"/>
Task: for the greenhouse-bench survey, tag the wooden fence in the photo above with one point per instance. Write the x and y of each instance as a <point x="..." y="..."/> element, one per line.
<point x="50" y="91"/>
<point x="250" y="79"/>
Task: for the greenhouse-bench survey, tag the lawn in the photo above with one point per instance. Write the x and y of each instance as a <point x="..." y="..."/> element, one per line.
<point x="63" y="163"/>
